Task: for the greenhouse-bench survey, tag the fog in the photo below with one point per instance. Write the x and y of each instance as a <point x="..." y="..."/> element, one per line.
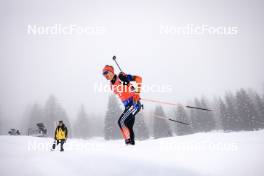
<point x="32" y="67"/>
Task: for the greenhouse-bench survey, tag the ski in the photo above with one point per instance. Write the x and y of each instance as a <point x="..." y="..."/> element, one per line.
<point x="168" y="118"/>
<point x="174" y="104"/>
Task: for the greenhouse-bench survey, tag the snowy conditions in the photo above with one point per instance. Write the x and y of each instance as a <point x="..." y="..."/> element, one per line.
<point x="215" y="153"/>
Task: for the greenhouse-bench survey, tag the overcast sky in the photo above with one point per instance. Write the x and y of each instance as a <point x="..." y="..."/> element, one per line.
<point x="34" y="66"/>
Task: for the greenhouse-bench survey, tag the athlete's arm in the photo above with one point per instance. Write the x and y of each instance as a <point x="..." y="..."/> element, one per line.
<point x="126" y="78"/>
<point x="138" y="80"/>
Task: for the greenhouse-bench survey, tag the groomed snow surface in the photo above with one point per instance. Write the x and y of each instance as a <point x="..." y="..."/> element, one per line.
<point x="215" y="153"/>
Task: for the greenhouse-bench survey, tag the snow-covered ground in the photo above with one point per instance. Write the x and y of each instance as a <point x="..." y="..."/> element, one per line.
<point x="216" y="153"/>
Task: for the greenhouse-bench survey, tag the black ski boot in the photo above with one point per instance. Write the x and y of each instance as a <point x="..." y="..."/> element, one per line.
<point x="132" y="142"/>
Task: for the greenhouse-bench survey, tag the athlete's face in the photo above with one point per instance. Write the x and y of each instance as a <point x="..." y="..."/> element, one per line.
<point x="108" y="75"/>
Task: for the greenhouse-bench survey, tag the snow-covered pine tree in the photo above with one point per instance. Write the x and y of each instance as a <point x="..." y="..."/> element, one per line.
<point x="202" y="121"/>
<point x="215" y="105"/>
<point x="232" y="114"/>
<point x="181" y="115"/>
<point x="36" y="115"/>
<point x="81" y="127"/>
<point x="246" y="111"/>
<point x="196" y="118"/>
<point x="53" y="113"/>
<point x="140" y="128"/>
<point x="111" y="128"/>
<point x="224" y="116"/>
<point x="259" y="104"/>
<point x="259" y="107"/>
<point x="96" y="126"/>
<point x="160" y="126"/>
<point x="208" y="117"/>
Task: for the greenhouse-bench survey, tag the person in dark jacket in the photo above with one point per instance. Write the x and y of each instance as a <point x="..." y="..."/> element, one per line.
<point x="61" y="134"/>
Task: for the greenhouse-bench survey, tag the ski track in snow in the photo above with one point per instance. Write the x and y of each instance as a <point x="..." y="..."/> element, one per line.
<point x="215" y="153"/>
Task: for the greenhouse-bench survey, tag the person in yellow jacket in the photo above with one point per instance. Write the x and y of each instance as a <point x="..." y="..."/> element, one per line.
<point x="61" y="134"/>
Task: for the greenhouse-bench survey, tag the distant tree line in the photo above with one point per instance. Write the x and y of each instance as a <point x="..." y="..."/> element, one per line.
<point x="239" y="111"/>
<point x="49" y="115"/>
<point x="84" y="126"/>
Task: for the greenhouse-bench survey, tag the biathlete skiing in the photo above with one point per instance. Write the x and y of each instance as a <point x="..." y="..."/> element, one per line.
<point x="129" y="95"/>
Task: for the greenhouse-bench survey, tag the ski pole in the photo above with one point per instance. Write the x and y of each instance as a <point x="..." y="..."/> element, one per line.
<point x="114" y="58"/>
<point x="167" y="118"/>
<point x="168" y="103"/>
<point x="174" y="104"/>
